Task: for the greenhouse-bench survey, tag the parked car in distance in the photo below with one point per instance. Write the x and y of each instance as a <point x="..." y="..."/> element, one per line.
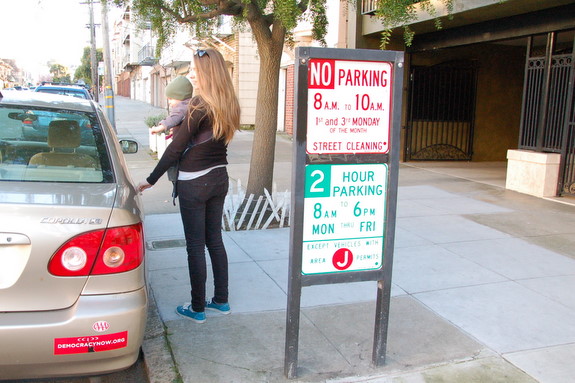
<point x="65" y="90"/>
<point x="73" y="298"/>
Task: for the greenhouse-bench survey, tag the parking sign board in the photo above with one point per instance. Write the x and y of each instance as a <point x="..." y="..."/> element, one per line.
<point x="349" y="105"/>
<point x="347" y="113"/>
<point x="344" y="218"/>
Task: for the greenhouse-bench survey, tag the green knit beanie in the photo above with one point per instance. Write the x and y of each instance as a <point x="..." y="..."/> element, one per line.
<point x="179" y="89"/>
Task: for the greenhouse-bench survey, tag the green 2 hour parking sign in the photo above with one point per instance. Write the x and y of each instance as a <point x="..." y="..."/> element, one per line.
<point x="344" y="218"/>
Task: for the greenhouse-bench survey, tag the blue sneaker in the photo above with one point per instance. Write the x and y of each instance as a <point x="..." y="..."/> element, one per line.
<point x="187" y="312"/>
<point x="222" y="308"/>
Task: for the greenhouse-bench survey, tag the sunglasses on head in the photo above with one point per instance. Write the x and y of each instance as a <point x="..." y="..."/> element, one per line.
<point x="201" y="53"/>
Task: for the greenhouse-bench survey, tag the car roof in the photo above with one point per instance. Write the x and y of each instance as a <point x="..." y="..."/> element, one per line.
<point x="46" y="100"/>
<point x="60" y="86"/>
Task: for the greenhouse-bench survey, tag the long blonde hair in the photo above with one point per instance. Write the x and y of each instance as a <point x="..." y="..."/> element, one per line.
<point x="217" y="94"/>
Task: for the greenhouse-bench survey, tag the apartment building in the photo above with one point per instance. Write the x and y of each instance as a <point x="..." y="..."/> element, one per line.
<point x="495" y="83"/>
<point x="142" y="74"/>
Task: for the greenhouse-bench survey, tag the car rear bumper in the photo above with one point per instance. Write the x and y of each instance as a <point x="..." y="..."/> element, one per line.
<point x="99" y="334"/>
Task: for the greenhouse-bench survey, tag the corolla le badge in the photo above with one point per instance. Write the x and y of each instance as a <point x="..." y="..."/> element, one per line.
<point x="71" y="221"/>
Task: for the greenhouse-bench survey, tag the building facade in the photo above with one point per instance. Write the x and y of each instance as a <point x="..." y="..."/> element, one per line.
<point x="142" y="73"/>
<point x="494" y="84"/>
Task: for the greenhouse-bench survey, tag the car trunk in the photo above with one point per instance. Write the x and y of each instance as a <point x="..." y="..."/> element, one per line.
<point x="36" y="219"/>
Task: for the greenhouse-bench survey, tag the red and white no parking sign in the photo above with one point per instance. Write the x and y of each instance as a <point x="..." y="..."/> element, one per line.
<point x="349" y="104"/>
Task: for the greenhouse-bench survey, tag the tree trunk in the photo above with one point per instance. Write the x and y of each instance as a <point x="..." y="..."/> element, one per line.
<point x="263" y="151"/>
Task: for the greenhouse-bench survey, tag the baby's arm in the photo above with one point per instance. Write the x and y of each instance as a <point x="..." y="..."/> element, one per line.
<point x="158" y="129"/>
<point x="176" y="116"/>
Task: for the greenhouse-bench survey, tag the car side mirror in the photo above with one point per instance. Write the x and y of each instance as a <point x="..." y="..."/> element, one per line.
<point x="129" y="146"/>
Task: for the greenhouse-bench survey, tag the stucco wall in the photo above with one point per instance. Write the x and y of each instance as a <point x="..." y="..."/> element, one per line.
<point x="499" y="95"/>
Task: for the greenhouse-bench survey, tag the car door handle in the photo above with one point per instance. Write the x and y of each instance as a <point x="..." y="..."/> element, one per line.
<point x="13" y="239"/>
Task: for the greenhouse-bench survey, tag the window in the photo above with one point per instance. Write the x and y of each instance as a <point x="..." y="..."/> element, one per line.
<point x="66" y="92"/>
<point x="49" y="145"/>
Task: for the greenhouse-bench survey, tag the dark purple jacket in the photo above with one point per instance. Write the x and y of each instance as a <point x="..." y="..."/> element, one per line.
<point x="176" y="115"/>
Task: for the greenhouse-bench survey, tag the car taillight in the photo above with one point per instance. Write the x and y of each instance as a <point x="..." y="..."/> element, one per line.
<point x="122" y="250"/>
<point x="109" y="251"/>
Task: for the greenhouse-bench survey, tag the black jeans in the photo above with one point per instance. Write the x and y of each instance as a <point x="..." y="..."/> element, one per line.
<point x="201" y="207"/>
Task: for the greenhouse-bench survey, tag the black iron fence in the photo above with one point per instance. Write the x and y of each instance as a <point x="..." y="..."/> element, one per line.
<point x="545" y="103"/>
<point x="548" y="112"/>
<point x="567" y="178"/>
<point x="441" y="112"/>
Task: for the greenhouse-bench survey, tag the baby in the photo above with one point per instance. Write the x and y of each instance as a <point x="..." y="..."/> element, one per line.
<point x="179" y="92"/>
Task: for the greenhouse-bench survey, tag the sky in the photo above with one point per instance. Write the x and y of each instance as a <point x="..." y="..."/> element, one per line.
<point x="37" y="31"/>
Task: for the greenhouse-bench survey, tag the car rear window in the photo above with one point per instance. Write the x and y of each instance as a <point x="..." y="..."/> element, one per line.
<point x="66" y="92"/>
<point x="47" y="145"/>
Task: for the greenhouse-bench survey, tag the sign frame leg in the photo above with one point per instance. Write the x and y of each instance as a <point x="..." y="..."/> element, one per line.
<point x="296" y="233"/>
<point x="381" y="325"/>
<point x="292" y="329"/>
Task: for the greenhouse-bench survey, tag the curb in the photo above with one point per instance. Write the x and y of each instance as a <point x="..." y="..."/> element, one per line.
<point x="158" y="359"/>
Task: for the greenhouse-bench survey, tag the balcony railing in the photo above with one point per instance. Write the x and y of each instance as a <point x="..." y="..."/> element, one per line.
<point x="126" y="61"/>
<point x="368" y="7"/>
<point x="224" y="26"/>
<point x="147" y="56"/>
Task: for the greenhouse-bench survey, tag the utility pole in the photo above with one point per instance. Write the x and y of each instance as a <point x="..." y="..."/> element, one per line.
<point x="108" y="89"/>
<point x="93" y="62"/>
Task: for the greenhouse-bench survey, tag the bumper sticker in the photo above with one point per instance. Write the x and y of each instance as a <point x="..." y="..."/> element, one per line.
<point x="85" y="344"/>
<point x="100" y="326"/>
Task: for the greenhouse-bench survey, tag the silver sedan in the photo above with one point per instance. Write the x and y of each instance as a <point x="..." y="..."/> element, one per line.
<point x="73" y="297"/>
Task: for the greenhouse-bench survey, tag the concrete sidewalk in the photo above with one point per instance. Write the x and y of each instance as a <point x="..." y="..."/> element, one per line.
<point x="483" y="282"/>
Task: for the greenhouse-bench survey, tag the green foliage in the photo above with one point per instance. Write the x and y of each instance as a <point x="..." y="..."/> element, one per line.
<point x="317" y="9"/>
<point x="288" y="12"/>
<point x="59" y="73"/>
<point x="201" y="16"/>
<point x="65" y="79"/>
<point x="271" y="23"/>
<point x="84" y="71"/>
<point x="58" y="70"/>
<point x="396" y="13"/>
<point x="154" y="120"/>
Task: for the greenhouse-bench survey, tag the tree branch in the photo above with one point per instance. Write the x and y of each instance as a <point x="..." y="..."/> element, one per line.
<point x="303" y="5"/>
<point x="184" y="10"/>
<point x="231" y="8"/>
<point x="171" y="12"/>
<point x="258" y="20"/>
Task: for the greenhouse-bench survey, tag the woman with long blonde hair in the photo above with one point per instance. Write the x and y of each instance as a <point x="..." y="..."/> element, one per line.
<point x="199" y="146"/>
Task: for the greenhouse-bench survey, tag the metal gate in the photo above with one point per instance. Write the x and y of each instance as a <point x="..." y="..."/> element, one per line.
<point x="567" y="177"/>
<point x="547" y="116"/>
<point x="545" y="103"/>
<point x="441" y="112"/>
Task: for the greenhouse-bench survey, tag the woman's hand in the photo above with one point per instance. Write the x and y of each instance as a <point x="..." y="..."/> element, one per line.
<point x="143" y="185"/>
